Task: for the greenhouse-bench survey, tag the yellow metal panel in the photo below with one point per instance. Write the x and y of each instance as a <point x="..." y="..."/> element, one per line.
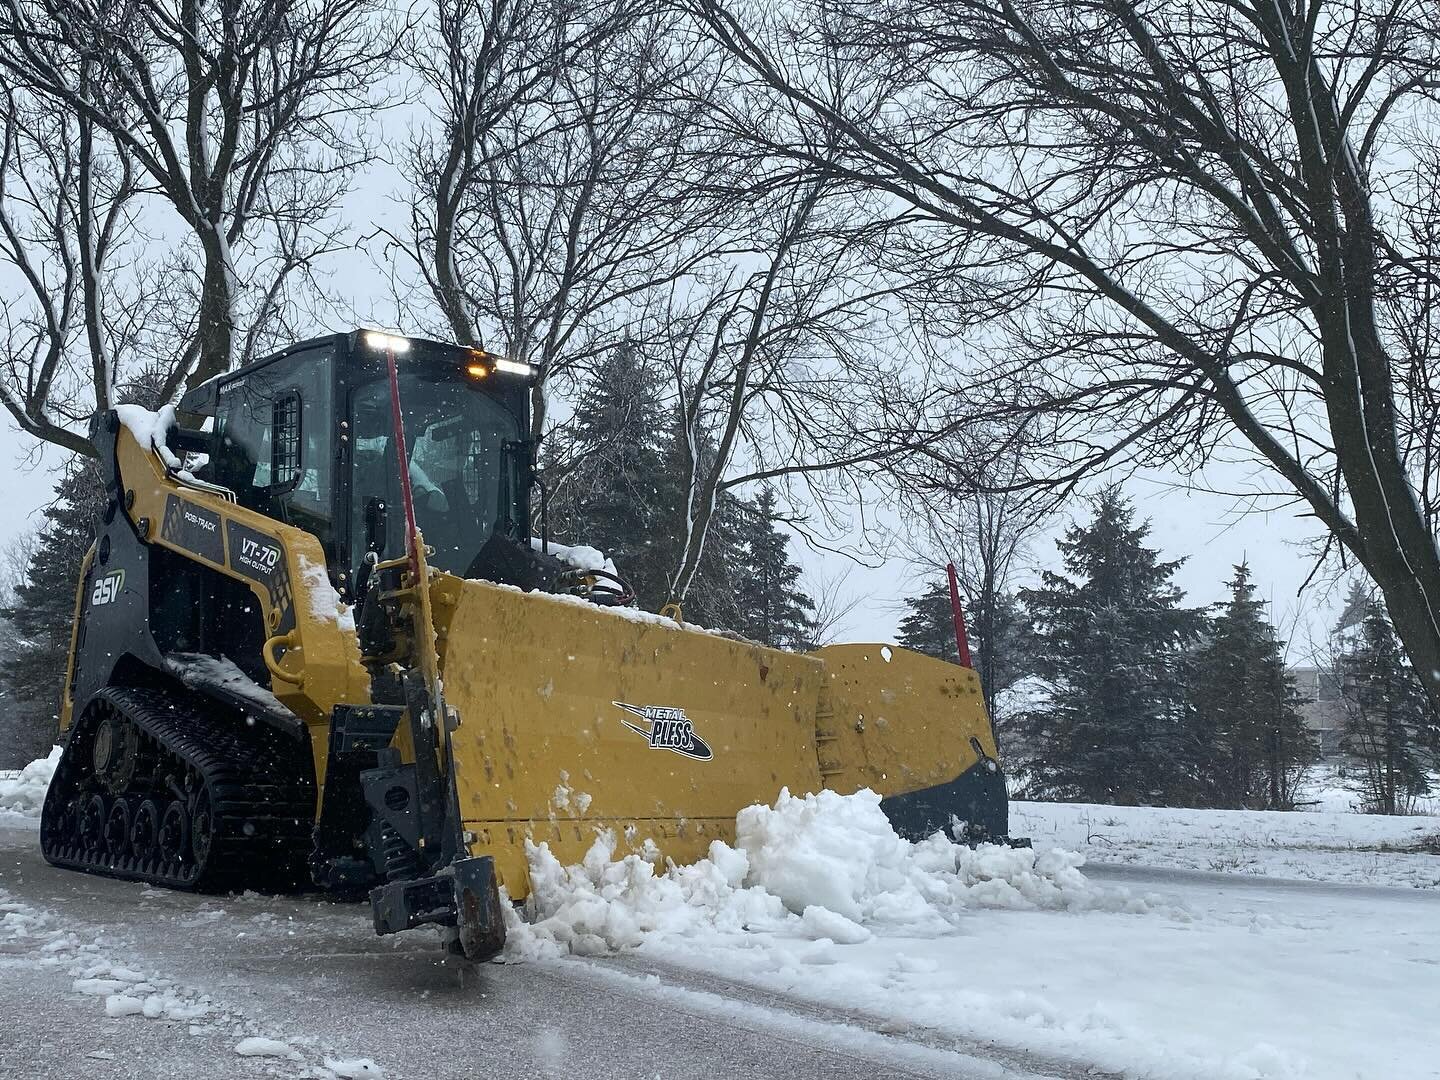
<point x="897" y="721"/>
<point x="323" y="657"/>
<point x="543" y="750"/>
<point x="67" y="706"/>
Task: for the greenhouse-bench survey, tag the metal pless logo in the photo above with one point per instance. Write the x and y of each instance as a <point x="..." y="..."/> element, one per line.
<point x="670" y="729"/>
<point x="107" y="589"/>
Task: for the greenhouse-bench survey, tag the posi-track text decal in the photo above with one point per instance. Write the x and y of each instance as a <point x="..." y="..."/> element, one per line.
<point x="193" y="528"/>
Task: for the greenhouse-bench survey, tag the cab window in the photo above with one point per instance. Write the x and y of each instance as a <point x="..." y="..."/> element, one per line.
<point x="274" y="440"/>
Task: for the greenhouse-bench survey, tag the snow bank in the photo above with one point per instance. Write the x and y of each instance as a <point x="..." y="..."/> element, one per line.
<point x="823" y="867"/>
<point x="1360" y="849"/>
<point x="23" y="794"/>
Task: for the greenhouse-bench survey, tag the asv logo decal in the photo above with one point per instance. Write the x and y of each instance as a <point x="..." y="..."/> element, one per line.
<point x="669" y="730"/>
<point x="107" y="589"/>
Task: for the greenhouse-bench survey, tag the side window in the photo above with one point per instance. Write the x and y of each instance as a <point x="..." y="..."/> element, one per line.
<point x="276" y="450"/>
<point x="285" y="441"/>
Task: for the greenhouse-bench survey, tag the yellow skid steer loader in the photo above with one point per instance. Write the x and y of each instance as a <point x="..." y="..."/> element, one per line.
<point x="311" y="651"/>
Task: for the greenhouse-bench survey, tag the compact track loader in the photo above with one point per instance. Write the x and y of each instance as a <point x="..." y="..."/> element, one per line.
<point x="316" y="645"/>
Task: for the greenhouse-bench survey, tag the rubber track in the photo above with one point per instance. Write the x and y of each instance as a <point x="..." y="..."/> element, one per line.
<point x="262" y="795"/>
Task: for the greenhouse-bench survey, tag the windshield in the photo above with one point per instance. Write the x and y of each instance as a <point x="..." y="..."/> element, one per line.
<point x="464" y="467"/>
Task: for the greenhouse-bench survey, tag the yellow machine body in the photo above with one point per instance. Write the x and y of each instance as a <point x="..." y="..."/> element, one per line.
<point x="544" y="750"/>
<point x="559" y="718"/>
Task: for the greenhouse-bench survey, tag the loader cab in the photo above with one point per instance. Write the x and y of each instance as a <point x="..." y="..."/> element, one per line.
<point x="306" y="437"/>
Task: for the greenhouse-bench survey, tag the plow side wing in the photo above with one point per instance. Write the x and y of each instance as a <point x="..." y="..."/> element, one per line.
<point x="915" y="730"/>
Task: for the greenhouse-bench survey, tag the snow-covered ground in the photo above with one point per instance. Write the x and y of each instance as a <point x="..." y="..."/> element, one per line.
<point x="1326" y="788"/>
<point x="1197" y="978"/>
<point x="1170" y="975"/>
<point x="1318" y="846"/>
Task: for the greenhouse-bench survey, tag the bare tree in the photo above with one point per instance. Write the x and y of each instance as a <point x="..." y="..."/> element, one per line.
<point x="561" y="180"/>
<point x="833" y="604"/>
<point x="1186" y="223"/>
<point x="779" y="365"/>
<point x="238" y="114"/>
<point x="67" y="200"/>
<point x="983" y="523"/>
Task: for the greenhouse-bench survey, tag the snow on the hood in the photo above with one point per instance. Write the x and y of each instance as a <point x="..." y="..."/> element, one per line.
<point x="150" y="429"/>
<point x="580" y="556"/>
<point x="24" y="793"/>
<point x="325" y="602"/>
<point x="826" y="867"/>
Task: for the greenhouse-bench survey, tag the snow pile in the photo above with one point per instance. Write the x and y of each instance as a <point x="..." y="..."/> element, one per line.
<point x="24" y="793"/>
<point x="824" y="867"/>
<point x="839" y="852"/>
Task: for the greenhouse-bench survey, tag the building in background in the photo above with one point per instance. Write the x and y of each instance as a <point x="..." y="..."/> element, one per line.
<point x="1323" y="711"/>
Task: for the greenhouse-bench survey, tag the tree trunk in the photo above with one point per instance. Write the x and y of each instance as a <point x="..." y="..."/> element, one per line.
<point x="217" y="315"/>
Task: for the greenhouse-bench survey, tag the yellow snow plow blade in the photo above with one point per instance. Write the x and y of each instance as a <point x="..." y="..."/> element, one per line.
<point x="575" y="718"/>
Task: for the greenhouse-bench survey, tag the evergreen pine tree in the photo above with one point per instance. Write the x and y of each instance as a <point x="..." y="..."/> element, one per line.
<point x="43" y="608"/>
<point x="998" y="648"/>
<point x="1357" y="604"/>
<point x="773" y="609"/>
<point x="928" y="627"/>
<point x="1389" y="725"/>
<point x="1246" y="709"/>
<point x="625" y="493"/>
<point x="617" y="495"/>
<point x="42" y="611"/>
<point x="1110" y="634"/>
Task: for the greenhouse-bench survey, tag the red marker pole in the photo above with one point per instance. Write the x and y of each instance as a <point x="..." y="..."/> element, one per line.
<point x="962" y="639"/>
<point x="403" y="454"/>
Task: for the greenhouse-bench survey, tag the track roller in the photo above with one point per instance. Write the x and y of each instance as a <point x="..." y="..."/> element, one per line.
<point x="164" y="786"/>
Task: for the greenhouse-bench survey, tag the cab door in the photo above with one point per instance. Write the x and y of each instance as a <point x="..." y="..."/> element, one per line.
<point x="275" y="444"/>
